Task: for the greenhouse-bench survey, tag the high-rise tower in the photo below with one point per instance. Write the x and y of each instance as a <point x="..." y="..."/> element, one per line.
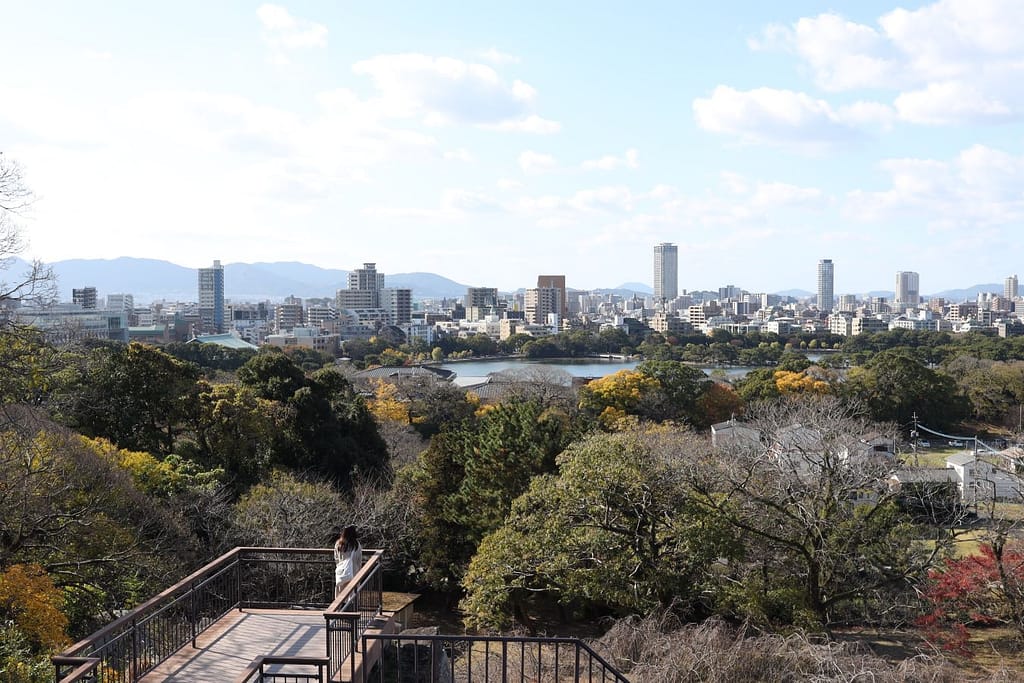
<point x="908" y="289"/>
<point x="1010" y="288"/>
<point x="666" y="272"/>
<point x="211" y="298"/>
<point x="826" y="284"/>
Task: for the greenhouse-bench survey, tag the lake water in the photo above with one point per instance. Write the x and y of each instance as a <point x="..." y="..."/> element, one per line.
<point x="577" y="367"/>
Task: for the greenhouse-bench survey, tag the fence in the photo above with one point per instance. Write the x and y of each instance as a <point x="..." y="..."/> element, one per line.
<point x="298" y="578"/>
<point x="272" y="670"/>
<point x="508" y="659"/>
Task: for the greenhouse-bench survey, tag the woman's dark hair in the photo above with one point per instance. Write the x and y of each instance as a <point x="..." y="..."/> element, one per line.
<point x="349" y="540"/>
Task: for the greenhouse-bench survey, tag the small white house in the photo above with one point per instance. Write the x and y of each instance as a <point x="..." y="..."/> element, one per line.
<point x="980" y="480"/>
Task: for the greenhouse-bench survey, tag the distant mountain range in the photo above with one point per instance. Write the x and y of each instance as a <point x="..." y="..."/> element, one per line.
<point x="151" y="279"/>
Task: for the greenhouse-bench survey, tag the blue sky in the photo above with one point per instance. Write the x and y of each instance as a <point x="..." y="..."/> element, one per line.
<point x="491" y="142"/>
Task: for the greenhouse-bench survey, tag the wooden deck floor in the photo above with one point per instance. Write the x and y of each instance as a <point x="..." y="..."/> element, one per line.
<point x="226" y="648"/>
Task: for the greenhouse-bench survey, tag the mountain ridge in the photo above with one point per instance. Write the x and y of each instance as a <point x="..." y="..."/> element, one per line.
<point x="156" y="279"/>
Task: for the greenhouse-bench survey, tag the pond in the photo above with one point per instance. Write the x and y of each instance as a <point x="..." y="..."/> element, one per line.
<point x="579" y="367"/>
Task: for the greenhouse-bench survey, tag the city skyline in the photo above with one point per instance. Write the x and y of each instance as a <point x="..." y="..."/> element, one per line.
<point x="462" y="140"/>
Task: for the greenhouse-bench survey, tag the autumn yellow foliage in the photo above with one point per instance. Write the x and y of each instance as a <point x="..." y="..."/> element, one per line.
<point x="789" y="382"/>
<point x="386" y="404"/>
<point x="29" y="599"/>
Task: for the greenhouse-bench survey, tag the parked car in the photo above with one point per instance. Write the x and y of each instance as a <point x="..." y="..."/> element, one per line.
<point x="922" y="443"/>
<point x="956" y="443"/>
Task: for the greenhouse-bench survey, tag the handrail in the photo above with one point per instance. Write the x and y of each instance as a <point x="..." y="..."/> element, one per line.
<point x="128" y="617"/>
<point x="125" y="637"/>
<point x="354" y="611"/>
<point x="85" y="665"/>
<point x="441" y="648"/>
<point x="256" y="667"/>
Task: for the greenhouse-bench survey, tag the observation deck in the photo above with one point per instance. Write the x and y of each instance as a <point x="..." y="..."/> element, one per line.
<point x="269" y="615"/>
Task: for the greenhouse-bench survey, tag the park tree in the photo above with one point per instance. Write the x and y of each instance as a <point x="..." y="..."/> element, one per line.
<point x="789" y="382"/>
<point x="468" y="476"/>
<point x="615" y="529"/>
<point x="549" y="385"/>
<point x="272" y="375"/>
<point x="288" y="510"/>
<point x="435" y="403"/>
<point x="240" y="432"/>
<point x="995" y="389"/>
<point x="334" y="432"/>
<point x="982" y="589"/>
<point x="387" y="403"/>
<point x="682" y="387"/>
<point x="821" y="532"/>
<point x="36" y="285"/>
<point x="133" y="394"/>
<point x="895" y="387"/>
<point x="720" y="402"/>
<point x="758" y="385"/>
<point x="81" y="517"/>
<point x="620" y="394"/>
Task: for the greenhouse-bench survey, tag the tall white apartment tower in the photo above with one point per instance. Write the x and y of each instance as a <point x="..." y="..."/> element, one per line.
<point x="1010" y="288"/>
<point x="666" y="272"/>
<point x="908" y="289"/>
<point x="211" y="298"/>
<point x="826" y="285"/>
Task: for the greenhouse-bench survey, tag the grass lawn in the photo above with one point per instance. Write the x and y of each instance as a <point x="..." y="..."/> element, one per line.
<point x="995" y="649"/>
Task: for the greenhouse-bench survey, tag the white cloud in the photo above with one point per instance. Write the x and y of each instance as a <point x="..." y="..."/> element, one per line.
<point x="443" y="90"/>
<point x="769" y="115"/>
<point x="507" y="184"/>
<point x="453" y="204"/>
<point x="529" y="124"/>
<point x="466" y="201"/>
<point x="602" y="199"/>
<point x="951" y="102"/>
<point x="285" y="33"/>
<point x="776" y="194"/>
<point x="496" y="56"/>
<point x="630" y="159"/>
<point x="951" y="61"/>
<point x="535" y="162"/>
<point x="979" y="188"/>
<point x="460" y="154"/>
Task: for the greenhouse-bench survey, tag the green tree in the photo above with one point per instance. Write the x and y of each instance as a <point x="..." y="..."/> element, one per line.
<point x="135" y="395"/>
<point x="237" y="430"/>
<point x="272" y="375"/>
<point x="615" y="529"/>
<point x="681" y="386"/>
<point x="469" y="475"/>
<point x="895" y="386"/>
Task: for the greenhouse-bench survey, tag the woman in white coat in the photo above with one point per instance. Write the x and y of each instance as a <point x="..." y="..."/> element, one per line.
<point x="348" y="558"/>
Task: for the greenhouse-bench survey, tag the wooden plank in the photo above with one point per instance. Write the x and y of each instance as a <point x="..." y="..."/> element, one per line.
<point x="226" y="648"/>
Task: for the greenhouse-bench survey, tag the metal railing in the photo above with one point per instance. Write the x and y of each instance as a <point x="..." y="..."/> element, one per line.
<point x="352" y="613"/>
<point x="501" y="659"/>
<point x="272" y="670"/>
<point x="136" y="643"/>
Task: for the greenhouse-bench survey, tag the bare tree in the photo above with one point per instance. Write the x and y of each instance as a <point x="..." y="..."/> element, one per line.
<point x="807" y="491"/>
<point x="36" y="285"/>
<point x="550" y="385"/>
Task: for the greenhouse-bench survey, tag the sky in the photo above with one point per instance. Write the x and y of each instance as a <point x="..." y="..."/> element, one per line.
<point x="491" y="142"/>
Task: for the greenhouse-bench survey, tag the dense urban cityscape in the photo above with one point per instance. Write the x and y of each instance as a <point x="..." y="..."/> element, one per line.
<point x="367" y="305"/>
<point x="726" y="384"/>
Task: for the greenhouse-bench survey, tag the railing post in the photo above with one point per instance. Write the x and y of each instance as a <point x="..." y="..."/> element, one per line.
<point x="192" y="610"/>
<point x="238" y="579"/>
<point x="135" y="651"/>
